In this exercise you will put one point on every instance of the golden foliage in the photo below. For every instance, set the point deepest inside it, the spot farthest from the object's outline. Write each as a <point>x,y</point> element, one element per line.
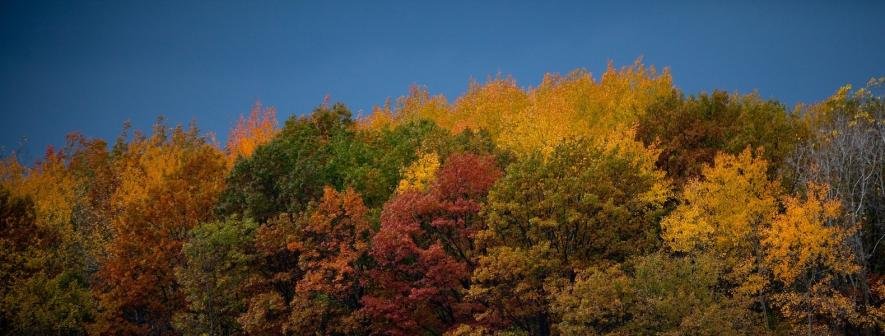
<point>724,210</point>
<point>525,120</point>
<point>804,237</point>
<point>249,133</point>
<point>419,174</point>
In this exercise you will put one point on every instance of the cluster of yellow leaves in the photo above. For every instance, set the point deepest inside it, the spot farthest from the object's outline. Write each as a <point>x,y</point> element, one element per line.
<point>418,104</point>
<point>525,120</point>
<point>419,174</point>
<point>249,133</point>
<point>488,106</point>
<point>151,166</point>
<point>724,210</point>
<point>763,236</point>
<point>575,105</point>
<point>49,184</point>
<point>803,237</point>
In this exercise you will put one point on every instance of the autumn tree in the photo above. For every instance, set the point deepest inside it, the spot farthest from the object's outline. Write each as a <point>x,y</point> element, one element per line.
<point>270,288</point>
<point>653,294</point>
<point>252,131</point>
<point>425,250</point>
<point>49,281</point>
<point>577,105</point>
<point>724,214</point>
<point>847,153</point>
<point>792,260</point>
<point>332,243</point>
<point>691,130</point>
<point>416,106</point>
<point>807,253</point>
<point>523,120</point>
<point>168,183</point>
<point>589,202</point>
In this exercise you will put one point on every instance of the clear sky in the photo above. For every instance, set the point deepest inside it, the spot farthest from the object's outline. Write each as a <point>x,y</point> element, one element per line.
<point>90,65</point>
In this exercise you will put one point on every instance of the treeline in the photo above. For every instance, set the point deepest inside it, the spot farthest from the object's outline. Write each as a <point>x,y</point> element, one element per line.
<point>582,206</point>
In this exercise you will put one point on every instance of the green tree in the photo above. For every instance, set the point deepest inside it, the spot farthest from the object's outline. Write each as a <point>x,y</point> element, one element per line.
<point>588,202</point>
<point>653,294</point>
<point>218,258</point>
<point>691,130</point>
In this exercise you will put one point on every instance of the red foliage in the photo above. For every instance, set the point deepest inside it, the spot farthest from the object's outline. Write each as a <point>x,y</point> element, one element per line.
<point>424,251</point>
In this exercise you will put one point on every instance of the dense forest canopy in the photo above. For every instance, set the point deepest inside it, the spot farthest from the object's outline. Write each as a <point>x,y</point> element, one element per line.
<point>613,205</point>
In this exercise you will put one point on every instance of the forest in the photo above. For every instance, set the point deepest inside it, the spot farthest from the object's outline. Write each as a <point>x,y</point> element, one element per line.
<point>609,205</point>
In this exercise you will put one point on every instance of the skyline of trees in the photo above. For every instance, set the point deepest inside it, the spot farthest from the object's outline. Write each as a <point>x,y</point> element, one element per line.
<point>617,205</point>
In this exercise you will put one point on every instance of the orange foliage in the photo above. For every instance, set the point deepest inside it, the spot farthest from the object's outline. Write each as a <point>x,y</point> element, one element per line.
<point>249,133</point>
<point>168,185</point>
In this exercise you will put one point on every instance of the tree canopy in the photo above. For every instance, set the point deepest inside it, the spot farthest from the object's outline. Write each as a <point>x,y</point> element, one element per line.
<point>616,205</point>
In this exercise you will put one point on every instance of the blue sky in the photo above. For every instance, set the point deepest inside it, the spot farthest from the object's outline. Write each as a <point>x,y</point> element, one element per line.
<point>90,65</point>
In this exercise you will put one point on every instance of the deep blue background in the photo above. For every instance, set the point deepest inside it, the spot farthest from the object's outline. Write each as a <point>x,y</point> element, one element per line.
<point>90,65</point>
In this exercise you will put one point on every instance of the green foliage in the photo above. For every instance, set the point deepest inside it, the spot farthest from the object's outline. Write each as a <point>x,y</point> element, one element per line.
<point>325,148</point>
<point>691,130</point>
<point>587,203</point>
<point>218,258</point>
<point>45,287</point>
<point>654,294</point>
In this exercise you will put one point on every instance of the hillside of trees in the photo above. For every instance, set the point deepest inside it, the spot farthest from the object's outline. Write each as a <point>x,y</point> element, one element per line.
<point>616,205</point>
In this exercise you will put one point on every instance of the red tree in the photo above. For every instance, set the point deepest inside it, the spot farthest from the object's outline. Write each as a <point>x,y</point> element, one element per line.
<point>424,251</point>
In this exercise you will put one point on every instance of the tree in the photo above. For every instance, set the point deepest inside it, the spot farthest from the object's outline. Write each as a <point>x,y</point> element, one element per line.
<point>168,183</point>
<point>424,251</point>
<point>654,294</point>
<point>792,258</point>
<point>691,130</point>
<point>847,153</point>
<point>289,172</point>
<point>418,105</point>
<point>806,252</point>
<point>724,214</point>
<point>576,105</point>
<point>218,258</point>
<point>589,202</point>
<point>48,276</point>
<point>332,243</point>
<point>249,133</point>
<point>525,120</point>
<point>270,288</point>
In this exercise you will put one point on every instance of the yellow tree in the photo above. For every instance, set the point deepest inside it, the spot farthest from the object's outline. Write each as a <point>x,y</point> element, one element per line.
<point>525,120</point>
<point>554,113</point>
<point>485,106</point>
<point>806,251</point>
<point>49,184</point>
<point>576,105</point>
<point>417,105</point>
<point>723,214</point>
<point>252,131</point>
